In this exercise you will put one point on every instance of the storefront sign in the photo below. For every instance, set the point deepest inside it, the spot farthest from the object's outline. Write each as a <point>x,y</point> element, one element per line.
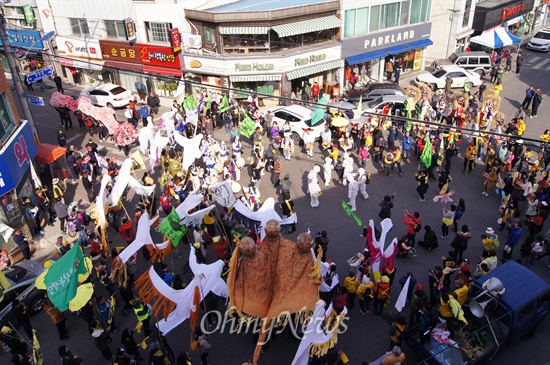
<point>385,39</point>
<point>493,13</point>
<point>311,59</point>
<point>46,16</point>
<point>130,29</point>
<point>29,14</point>
<point>254,67</point>
<point>78,48</point>
<point>28,39</point>
<point>508,12</point>
<point>16,157</point>
<point>144,54</point>
<point>175,40</point>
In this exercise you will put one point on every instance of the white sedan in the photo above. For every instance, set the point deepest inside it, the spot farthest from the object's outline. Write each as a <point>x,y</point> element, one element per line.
<point>111,95</point>
<point>459,76</point>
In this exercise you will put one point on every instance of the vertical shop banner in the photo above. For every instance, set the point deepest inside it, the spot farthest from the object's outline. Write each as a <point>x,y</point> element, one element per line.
<point>130,29</point>
<point>46,16</point>
<point>175,40</point>
<point>29,14</point>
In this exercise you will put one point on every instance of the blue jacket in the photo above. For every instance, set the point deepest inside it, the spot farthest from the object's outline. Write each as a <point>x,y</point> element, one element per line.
<point>529,93</point>
<point>513,237</point>
<point>407,142</point>
<point>144,112</point>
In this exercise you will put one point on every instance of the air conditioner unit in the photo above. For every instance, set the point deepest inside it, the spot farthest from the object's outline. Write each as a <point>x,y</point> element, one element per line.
<point>192,41</point>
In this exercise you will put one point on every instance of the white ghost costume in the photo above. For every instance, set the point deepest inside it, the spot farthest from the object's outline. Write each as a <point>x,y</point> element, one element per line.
<point>327,169</point>
<point>362,181</point>
<point>353,190</point>
<point>313,188</point>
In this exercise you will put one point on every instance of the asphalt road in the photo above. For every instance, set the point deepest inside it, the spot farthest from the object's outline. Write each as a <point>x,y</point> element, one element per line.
<point>366,337</point>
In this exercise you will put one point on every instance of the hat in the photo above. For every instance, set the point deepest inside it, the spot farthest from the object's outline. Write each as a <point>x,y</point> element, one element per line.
<point>490,231</point>
<point>519,141</point>
<point>385,279</point>
<point>97,333</point>
<point>419,287</point>
<point>55,181</point>
<point>365,280</point>
<point>5,330</point>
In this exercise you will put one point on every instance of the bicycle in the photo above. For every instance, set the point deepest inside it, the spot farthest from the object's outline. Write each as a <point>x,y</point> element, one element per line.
<point>70,228</point>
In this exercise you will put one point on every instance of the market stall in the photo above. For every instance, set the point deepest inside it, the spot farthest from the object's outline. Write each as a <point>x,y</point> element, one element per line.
<point>51,162</point>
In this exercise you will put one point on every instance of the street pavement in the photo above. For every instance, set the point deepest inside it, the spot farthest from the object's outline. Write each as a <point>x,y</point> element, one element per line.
<point>366,337</point>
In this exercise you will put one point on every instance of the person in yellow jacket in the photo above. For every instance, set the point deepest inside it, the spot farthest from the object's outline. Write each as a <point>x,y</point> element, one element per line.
<point>351,284</point>
<point>364,294</point>
<point>497,87</point>
<point>470,158</point>
<point>461,292</point>
<point>398,327</point>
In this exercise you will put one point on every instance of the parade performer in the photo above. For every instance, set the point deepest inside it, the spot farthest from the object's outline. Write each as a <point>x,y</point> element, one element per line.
<point>313,188</point>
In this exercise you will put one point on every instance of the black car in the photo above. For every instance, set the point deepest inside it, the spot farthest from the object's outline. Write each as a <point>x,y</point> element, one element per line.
<point>372,91</point>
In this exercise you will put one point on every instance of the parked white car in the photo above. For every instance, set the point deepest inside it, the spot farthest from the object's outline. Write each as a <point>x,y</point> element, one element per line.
<point>540,41</point>
<point>299,118</point>
<point>459,76</point>
<point>111,95</point>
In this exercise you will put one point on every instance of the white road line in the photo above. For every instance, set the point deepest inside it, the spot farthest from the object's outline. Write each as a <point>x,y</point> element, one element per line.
<point>74,137</point>
<point>535,59</point>
<point>540,64</point>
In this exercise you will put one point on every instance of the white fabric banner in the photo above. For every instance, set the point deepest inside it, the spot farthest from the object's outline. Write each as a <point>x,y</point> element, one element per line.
<point>101,200</point>
<point>402,299</point>
<point>143,237</point>
<point>195,219</point>
<point>189,203</point>
<point>102,162</point>
<point>191,150</point>
<point>157,144</point>
<point>264,214</point>
<point>139,188</point>
<point>121,182</point>
<point>145,136</point>
<point>35,178</point>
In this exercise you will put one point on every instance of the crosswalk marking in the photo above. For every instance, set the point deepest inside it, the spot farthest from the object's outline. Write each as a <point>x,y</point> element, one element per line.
<point>540,64</point>
<point>535,59</point>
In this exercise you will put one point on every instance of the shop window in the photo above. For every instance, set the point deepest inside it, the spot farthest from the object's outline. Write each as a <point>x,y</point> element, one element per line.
<point>426,10</point>
<point>6,118</point>
<point>79,26</point>
<point>404,13</point>
<point>158,32</point>
<point>390,16</point>
<point>349,23</point>
<point>374,23</point>
<point>253,43</point>
<point>208,35</point>
<point>115,29</point>
<point>467,9</point>
<point>356,22</point>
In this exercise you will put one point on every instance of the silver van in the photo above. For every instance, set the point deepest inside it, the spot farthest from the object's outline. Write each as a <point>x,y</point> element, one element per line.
<point>479,62</point>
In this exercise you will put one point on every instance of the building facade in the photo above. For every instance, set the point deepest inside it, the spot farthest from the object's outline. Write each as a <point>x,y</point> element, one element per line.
<point>378,31</point>
<point>516,15</point>
<point>268,48</point>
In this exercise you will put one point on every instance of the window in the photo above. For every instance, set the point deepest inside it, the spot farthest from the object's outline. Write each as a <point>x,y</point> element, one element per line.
<point>473,61</point>
<point>374,23</point>
<point>426,9</point>
<point>115,29</point>
<point>208,35</point>
<point>404,13</point>
<point>420,11</point>
<point>467,9</point>
<point>79,26</point>
<point>390,16</point>
<point>158,32</point>
<point>356,22</point>
<point>6,117</point>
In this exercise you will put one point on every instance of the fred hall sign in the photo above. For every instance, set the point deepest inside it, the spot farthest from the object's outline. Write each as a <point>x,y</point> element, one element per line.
<point>376,41</point>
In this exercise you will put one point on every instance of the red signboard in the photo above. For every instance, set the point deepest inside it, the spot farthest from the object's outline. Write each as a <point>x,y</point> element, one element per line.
<point>509,12</point>
<point>175,40</point>
<point>143,54</point>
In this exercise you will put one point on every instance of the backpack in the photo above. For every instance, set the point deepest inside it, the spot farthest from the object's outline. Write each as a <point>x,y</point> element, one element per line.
<point>496,243</point>
<point>195,346</point>
<point>417,228</point>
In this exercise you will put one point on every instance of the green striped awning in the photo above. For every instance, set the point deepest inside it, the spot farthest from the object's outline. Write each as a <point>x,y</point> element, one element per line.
<point>243,30</point>
<point>312,70</point>
<point>248,78</point>
<point>307,26</point>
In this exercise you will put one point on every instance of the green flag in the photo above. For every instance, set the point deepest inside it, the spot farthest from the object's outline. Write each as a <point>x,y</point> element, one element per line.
<point>426,156</point>
<point>248,127</point>
<point>190,103</point>
<point>172,229</point>
<point>62,278</point>
<point>224,105</point>
<point>319,111</point>
<point>351,213</point>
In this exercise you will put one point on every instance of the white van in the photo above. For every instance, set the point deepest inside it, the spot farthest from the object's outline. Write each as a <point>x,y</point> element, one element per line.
<point>479,62</point>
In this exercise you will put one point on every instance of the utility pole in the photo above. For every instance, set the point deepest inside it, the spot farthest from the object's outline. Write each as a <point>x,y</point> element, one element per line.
<point>10,57</point>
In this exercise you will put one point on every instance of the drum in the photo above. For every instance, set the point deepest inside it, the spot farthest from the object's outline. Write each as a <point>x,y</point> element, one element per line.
<point>309,146</point>
<point>240,162</point>
<point>218,168</point>
<point>235,187</point>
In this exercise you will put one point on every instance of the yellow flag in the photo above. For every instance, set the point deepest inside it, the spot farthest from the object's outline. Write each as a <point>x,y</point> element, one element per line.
<point>4,284</point>
<point>137,162</point>
<point>37,355</point>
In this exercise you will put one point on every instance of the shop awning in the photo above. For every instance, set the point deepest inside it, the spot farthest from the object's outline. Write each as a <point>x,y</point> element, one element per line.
<point>48,153</point>
<point>314,69</point>
<point>163,71</point>
<point>307,26</point>
<point>88,64</point>
<point>255,78</point>
<point>243,30</point>
<point>369,56</point>
<point>408,46</point>
<point>124,65</point>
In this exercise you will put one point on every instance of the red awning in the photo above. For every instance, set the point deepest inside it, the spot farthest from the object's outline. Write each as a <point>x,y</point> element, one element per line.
<point>124,65</point>
<point>48,153</point>
<point>163,71</point>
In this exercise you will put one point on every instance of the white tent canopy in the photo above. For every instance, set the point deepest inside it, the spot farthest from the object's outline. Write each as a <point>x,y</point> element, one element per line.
<point>496,38</point>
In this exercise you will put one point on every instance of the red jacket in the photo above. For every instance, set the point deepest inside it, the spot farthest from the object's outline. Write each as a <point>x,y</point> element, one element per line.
<point>315,90</point>
<point>127,231</point>
<point>411,221</point>
<point>219,249</point>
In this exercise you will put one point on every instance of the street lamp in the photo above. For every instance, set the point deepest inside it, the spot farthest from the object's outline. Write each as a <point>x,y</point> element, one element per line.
<point>10,57</point>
